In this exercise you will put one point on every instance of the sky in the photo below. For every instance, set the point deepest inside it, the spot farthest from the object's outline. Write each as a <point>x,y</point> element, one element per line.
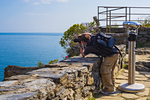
<point>53,16</point>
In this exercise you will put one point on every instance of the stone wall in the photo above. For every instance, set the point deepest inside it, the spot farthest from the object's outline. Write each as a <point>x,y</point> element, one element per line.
<point>143,38</point>
<point>69,79</point>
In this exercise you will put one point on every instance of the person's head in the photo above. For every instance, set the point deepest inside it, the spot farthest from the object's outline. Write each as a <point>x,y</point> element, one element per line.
<point>85,38</point>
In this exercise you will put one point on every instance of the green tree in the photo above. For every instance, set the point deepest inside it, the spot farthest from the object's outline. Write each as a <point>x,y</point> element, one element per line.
<point>71,34</point>
<point>72,49</point>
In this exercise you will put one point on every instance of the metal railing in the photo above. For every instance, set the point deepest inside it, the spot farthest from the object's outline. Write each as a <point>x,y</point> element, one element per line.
<point>121,14</point>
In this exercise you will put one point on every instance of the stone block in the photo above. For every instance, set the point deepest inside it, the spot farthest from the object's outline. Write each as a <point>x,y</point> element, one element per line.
<point>62,93</point>
<point>40,84</point>
<point>129,96</point>
<point>71,77</point>
<point>71,94</point>
<point>7,83</point>
<point>142,32</point>
<point>90,81</point>
<point>145,93</point>
<point>38,71</point>
<point>17,77</point>
<point>27,80</point>
<point>148,36</point>
<point>139,36</point>
<point>64,82</point>
<point>51,95</point>
<point>70,85</point>
<point>78,94</point>
<point>58,78</point>
<point>23,96</point>
<point>5,90</point>
<point>38,81</point>
<point>56,98</point>
<point>147,74</point>
<point>77,85</point>
<point>82,71</point>
<point>85,91</point>
<point>11,88</point>
<point>72,73</point>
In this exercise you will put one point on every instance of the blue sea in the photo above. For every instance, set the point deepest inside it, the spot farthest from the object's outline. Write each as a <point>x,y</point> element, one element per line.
<point>26,49</point>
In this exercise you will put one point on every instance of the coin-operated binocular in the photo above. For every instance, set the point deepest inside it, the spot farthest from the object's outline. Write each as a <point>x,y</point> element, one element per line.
<point>131,86</point>
<point>132,29</point>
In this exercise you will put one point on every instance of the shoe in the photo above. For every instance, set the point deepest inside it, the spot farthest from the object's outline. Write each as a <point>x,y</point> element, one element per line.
<point>106,92</point>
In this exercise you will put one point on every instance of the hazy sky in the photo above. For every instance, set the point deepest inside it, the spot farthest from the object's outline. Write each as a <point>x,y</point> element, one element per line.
<point>52,15</point>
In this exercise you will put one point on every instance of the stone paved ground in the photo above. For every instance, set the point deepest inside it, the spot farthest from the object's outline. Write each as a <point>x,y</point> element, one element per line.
<point>141,77</point>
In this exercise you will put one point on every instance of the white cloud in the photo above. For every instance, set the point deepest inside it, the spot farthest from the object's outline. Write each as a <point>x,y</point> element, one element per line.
<point>38,14</point>
<point>36,3</point>
<point>46,14</point>
<point>26,0</point>
<point>46,1</point>
<point>33,14</point>
<point>62,0</point>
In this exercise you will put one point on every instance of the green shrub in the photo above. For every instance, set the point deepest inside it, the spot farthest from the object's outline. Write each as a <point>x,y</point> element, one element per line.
<point>67,40</point>
<point>40,64</point>
<point>53,61</point>
<point>146,22</point>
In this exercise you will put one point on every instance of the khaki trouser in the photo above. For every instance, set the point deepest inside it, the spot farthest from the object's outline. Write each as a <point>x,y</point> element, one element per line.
<point>107,72</point>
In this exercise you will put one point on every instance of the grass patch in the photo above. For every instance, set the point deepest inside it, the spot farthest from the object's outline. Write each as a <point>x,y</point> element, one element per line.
<point>2,93</point>
<point>125,66</point>
<point>126,59</point>
<point>89,98</point>
<point>139,45</point>
<point>122,71</point>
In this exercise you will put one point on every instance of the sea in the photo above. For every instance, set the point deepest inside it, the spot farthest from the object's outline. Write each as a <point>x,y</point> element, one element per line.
<point>27,49</point>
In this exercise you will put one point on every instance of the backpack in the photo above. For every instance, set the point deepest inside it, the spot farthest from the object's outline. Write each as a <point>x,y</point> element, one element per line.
<point>103,43</point>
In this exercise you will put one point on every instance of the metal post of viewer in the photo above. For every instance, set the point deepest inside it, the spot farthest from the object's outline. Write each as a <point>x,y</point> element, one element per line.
<point>131,86</point>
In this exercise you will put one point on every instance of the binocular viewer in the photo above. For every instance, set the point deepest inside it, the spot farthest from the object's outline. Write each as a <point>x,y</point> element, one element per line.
<point>131,86</point>
<point>131,29</point>
<point>130,24</point>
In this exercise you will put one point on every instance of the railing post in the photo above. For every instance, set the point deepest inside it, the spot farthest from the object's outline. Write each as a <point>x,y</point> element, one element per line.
<point>106,19</point>
<point>129,13</point>
<point>126,14</point>
<point>109,21</point>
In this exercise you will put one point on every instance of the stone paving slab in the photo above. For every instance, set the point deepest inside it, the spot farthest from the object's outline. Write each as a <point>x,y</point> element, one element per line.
<point>141,77</point>
<point>147,74</point>
<point>145,93</point>
<point>129,96</point>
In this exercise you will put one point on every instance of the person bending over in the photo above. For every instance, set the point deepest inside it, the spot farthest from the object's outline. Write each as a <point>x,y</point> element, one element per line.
<point>107,65</point>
